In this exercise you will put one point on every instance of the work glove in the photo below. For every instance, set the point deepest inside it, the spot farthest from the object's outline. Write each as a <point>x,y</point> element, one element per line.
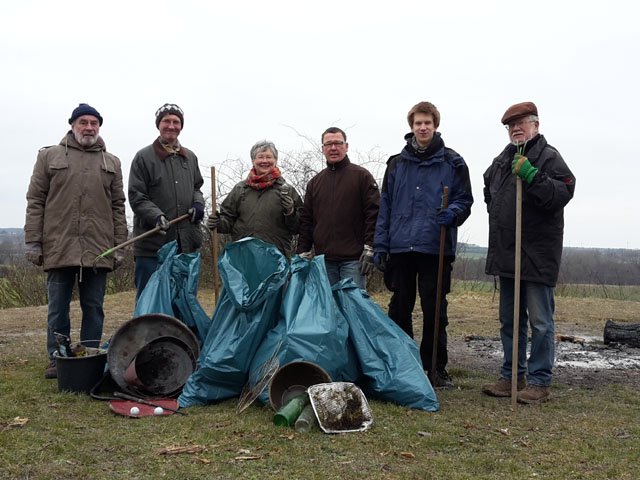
<point>366,264</point>
<point>381,259</point>
<point>307,255</point>
<point>213,221</point>
<point>33,253</point>
<point>119,257</point>
<point>446,217</point>
<point>163,223</point>
<point>286,201</point>
<point>522,167</point>
<point>196,211</point>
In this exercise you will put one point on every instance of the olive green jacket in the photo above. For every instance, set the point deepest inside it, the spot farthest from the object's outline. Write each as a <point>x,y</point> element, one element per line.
<point>247,212</point>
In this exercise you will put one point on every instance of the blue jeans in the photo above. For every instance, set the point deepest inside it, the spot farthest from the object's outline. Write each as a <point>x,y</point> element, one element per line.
<point>145,266</point>
<point>337,271</point>
<point>91,286</point>
<point>536,309</point>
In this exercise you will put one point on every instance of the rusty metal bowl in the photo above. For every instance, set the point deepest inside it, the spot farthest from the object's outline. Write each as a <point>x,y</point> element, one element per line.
<point>157,333</point>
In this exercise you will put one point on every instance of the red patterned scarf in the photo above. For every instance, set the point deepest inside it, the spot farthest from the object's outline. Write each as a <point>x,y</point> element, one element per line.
<point>260,182</point>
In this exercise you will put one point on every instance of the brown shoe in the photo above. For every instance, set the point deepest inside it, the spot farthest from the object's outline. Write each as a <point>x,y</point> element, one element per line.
<point>502,388</point>
<point>51,371</point>
<point>535,394</point>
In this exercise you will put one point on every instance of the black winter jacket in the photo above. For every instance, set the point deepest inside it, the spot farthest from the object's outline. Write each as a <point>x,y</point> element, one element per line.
<point>164,184</point>
<point>340,211</point>
<point>543,204</point>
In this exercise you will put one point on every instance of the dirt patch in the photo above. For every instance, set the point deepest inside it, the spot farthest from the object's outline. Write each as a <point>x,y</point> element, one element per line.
<point>588,365</point>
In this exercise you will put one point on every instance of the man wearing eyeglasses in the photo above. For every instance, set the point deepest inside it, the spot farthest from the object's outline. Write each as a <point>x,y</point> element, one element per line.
<point>339,215</point>
<point>164,184</point>
<point>75,211</point>
<point>547,186</point>
<point>409,230</point>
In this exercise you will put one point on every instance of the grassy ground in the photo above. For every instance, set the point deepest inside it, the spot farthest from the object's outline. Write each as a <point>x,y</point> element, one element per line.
<point>583,433</point>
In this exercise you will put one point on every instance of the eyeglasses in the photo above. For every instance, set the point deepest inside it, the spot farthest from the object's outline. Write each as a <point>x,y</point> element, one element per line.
<point>333,144</point>
<point>521,123</point>
<point>168,107</point>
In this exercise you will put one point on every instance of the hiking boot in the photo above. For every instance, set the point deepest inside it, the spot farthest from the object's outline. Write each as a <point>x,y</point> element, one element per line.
<point>535,394</point>
<point>51,371</point>
<point>502,388</point>
<point>442,379</point>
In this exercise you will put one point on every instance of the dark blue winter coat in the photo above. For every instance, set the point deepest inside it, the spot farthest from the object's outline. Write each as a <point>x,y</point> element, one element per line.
<point>412,194</point>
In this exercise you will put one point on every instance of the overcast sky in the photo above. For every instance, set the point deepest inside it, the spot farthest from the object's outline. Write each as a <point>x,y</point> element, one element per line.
<point>247,70</point>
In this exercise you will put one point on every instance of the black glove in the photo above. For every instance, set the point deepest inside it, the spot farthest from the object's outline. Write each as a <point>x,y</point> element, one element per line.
<point>196,211</point>
<point>213,221</point>
<point>163,223</point>
<point>286,201</point>
<point>366,264</point>
<point>33,253</point>
<point>381,259</point>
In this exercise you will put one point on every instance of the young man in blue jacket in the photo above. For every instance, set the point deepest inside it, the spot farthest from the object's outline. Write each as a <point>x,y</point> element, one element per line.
<point>408,230</point>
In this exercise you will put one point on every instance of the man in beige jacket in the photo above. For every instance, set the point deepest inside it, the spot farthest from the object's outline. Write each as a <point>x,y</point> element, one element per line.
<point>75,211</point>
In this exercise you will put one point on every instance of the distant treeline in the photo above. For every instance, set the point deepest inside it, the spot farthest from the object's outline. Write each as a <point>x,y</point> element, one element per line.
<point>590,266</point>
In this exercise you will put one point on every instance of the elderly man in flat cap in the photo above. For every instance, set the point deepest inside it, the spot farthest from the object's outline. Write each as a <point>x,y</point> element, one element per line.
<point>164,184</point>
<point>75,211</point>
<point>548,185</point>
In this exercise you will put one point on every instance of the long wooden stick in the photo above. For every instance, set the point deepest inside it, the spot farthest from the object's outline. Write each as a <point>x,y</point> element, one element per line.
<point>436,321</point>
<point>516,296</point>
<point>214,237</point>
<point>141,236</point>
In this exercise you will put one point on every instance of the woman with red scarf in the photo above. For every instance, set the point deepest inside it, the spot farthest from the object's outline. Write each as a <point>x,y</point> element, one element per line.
<point>263,206</point>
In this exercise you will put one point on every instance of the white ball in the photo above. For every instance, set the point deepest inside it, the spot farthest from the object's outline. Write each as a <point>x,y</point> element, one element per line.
<point>134,411</point>
<point>158,411</point>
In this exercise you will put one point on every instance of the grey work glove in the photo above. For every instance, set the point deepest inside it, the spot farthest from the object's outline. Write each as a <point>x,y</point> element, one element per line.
<point>163,223</point>
<point>213,221</point>
<point>33,253</point>
<point>119,257</point>
<point>366,265</point>
<point>286,201</point>
<point>307,255</point>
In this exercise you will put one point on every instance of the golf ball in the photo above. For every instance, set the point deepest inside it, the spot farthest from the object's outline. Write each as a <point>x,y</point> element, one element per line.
<point>134,411</point>
<point>158,411</point>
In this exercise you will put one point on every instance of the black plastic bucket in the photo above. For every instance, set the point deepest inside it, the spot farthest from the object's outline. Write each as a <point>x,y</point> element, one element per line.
<point>80,374</point>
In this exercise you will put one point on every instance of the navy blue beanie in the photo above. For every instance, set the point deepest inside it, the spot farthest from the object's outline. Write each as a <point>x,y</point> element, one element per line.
<point>84,109</point>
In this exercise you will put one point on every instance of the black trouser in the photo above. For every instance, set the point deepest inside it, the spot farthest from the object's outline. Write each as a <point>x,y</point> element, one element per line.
<point>403,269</point>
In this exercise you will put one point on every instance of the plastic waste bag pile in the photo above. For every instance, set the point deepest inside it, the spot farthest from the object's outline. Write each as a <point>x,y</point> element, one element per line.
<point>253,275</point>
<point>341,330</point>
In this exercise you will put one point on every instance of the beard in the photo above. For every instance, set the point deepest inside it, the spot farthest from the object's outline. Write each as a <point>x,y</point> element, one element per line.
<point>85,140</point>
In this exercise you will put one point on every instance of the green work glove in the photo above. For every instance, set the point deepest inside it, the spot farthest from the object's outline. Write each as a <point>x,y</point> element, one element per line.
<point>522,167</point>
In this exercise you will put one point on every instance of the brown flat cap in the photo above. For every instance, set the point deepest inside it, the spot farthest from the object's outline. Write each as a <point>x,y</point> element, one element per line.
<point>519,110</point>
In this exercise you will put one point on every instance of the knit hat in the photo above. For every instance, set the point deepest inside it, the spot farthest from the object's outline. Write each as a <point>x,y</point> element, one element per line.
<point>84,109</point>
<point>519,110</point>
<point>169,109</point>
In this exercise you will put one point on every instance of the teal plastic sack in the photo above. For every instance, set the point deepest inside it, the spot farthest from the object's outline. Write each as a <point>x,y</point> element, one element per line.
<point>173,289</point>
<point>253,275</point>
<point>310,328</point>
<point>389,358</point>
